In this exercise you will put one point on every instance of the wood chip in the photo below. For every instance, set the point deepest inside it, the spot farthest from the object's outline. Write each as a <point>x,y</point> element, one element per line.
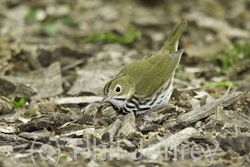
<point>208,109</point>
<point>172,141</point>
<point>40,136</point>
<point>7,129</point>
<point>112,130</point>
<point>128,145</point>
<point>128,125</point>
<point>77,100</point>
<point>232,118</point>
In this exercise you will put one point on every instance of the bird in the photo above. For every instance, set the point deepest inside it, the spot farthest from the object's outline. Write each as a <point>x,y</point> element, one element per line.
<point>147,84</point>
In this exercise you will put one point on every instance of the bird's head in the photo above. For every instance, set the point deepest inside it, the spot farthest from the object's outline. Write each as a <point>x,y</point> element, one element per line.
<point>118,90</point>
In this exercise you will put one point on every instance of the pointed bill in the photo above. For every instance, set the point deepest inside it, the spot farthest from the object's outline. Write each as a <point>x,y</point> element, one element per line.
<point>106,99</point>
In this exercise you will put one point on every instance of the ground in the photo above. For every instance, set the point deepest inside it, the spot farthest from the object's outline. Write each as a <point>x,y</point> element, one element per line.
<point>57,56</point>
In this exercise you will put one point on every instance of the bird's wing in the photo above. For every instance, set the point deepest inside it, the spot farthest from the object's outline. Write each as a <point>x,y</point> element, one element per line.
<point>155,71</point>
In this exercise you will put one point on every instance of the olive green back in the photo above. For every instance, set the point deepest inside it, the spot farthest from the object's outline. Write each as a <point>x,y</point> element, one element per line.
<point>152,72</point>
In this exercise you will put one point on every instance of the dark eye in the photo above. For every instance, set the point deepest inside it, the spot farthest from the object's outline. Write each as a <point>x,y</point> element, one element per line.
<point>118,89</point>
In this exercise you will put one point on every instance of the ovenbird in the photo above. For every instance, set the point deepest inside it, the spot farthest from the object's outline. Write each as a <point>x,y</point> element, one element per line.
<point>147,84</point>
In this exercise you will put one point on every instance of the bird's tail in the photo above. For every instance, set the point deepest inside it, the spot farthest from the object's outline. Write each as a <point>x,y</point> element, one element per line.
<point>172,42</point>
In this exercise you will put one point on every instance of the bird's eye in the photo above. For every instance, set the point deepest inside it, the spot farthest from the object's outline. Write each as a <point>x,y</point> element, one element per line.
<point>118,88</point>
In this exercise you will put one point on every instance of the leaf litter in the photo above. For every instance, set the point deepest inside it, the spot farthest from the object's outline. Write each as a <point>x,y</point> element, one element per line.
<point>55,59</point>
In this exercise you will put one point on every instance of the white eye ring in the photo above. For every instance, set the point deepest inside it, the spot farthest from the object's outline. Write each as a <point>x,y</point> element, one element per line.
<point>118,89</point>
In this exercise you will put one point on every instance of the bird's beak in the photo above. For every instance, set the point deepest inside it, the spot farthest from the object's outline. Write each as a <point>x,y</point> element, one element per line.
<point>106,98</point>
